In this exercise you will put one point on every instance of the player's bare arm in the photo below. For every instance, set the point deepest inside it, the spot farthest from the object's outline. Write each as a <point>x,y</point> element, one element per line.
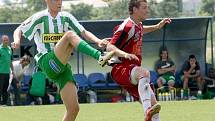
<point>151,28</point>
<point>17,38</point>
<point>91,37</point>
<point>121,53</point>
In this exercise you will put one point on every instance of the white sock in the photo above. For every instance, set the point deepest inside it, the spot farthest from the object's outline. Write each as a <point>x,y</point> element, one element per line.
<point>145,93</point>
<point>156,117</point>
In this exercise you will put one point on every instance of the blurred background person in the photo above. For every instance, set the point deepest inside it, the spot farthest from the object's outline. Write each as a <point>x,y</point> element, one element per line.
<point>6,57</point>
<point>165,68</point>
<point>191,72</point>
<point>19,67</point>
<point>210,78</point>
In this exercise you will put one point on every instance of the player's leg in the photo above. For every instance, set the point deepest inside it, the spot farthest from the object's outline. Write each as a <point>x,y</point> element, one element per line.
<point>155,108</point>
<point>159,82</point>
<point>185,79</point>
<point>70,99</point>
<point>62,75</point>
<point>170,80</point>
<point>185,85</point>
<point>69,41</point>
<point>200,83</point>
<point>142,77</point>
<point>68,91</point>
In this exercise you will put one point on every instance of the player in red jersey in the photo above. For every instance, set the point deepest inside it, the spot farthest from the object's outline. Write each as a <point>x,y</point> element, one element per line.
<point>128,72</point>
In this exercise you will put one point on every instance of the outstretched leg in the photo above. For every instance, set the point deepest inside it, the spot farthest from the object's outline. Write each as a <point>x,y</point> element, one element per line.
<point>148,100</point>
<point>69,41</point>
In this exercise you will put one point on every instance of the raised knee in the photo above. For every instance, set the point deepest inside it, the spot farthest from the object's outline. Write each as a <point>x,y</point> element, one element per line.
<point>70,35</point>
<point>144,73</point>
<point>138,73</point>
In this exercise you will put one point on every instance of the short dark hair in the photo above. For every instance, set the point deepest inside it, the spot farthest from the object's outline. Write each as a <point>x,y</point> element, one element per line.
<point>192,56</point>
<point>163,48</point>
<point>25,58</point>
<point>134,3</point>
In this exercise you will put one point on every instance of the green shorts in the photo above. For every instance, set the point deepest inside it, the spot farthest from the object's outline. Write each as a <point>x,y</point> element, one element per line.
<point>182,78</point>
<point>167,78</point>
<point>55,70</point>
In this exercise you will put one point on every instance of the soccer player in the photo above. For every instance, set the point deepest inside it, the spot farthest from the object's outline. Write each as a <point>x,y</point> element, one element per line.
<point>128,72</point>
<point>56,33</point>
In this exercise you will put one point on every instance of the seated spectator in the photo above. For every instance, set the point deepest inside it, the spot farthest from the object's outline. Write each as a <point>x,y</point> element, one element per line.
<point>165,68</point>
<point>191,72</point>
<point>210,79</point>
<point>19,67</point>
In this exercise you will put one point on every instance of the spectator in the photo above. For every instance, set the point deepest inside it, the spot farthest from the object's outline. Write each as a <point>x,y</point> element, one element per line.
<point>19,67</point>
<point>210,79</point>
<point>191,72</point>
<point>6,64</point>
<point>165,68</point>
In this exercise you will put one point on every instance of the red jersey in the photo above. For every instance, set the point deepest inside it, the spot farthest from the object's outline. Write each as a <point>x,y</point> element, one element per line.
<point>128,38</point>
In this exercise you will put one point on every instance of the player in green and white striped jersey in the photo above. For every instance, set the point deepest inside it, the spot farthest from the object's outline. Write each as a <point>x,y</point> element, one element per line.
<point>56,34</point>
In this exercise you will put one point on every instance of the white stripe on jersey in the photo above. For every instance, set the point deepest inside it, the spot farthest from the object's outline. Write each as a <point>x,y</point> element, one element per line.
<point>131,31</point>
<point>34,27</point>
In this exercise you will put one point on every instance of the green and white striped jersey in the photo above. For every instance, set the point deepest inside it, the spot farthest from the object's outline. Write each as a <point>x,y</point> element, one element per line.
<point>42,23</point>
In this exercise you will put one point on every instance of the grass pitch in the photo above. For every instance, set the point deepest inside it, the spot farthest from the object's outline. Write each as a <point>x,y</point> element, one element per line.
<point>171,111</point>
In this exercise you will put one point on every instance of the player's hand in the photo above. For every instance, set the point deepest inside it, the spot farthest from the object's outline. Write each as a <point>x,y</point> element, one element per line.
<point>15,45</point>
<point>193,65</point>
<point>131,57</point>
<point>164,22</point>
<point>103,43</point>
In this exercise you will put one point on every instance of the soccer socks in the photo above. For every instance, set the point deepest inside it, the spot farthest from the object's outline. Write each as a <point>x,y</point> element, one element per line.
<point>85,48</point>
<point>144,92</point>
<point>156,117</point>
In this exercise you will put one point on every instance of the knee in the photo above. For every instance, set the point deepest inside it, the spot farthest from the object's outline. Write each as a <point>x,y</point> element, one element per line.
<point>138,73</point>
<point>143,73</point>
<point>70,35</point>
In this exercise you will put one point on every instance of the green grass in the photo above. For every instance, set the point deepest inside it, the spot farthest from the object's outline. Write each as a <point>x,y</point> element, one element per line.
<point>171,111</point>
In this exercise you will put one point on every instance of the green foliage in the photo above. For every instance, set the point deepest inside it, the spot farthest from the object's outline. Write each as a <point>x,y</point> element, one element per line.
<point>116,10</point>
<point>9,14</point>
<point>36,5</point>
<point>82,11</point>
<point>208,8</point>
<point>166,8</point>
<point>13,13</point>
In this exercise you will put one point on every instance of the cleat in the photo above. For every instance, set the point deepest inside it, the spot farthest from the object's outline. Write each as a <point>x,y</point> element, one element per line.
<point>114,60</point>
<point>152,111</point>
<point>103,60</point>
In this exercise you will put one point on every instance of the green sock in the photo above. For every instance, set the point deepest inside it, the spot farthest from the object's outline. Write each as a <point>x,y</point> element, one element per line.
<point>186,92</point>
<point>85,48</point>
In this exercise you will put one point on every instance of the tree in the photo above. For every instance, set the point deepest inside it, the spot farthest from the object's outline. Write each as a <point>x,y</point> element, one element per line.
<point>36,5</point>
<point>116,10</point>
<point>208,8</point>
<point>168,8</point>
<point>153,8</point>
<point>82,11</point>
<point>15,13</point>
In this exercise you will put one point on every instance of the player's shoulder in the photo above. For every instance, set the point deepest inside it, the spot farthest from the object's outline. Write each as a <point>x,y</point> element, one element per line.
<point>65,14</point>
<point>127,24</point>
